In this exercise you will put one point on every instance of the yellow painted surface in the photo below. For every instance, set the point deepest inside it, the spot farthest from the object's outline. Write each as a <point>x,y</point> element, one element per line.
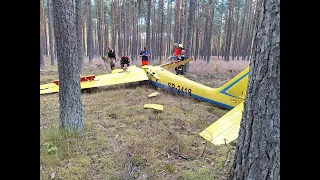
<point>172,65</point>
<point>49,88</point>
<point>154,94</point>
<point>225,129</point>
<point>154,106</point>
<point>133,74</point>
<point>229,95</point>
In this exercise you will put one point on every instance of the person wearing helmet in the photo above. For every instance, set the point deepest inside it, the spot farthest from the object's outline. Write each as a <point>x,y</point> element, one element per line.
<point>124,62</point>
<point>176,52</point>
<point>182,52</point>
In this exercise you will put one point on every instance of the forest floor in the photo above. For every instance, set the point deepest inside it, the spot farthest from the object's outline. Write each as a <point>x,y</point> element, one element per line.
<point>122,140</point>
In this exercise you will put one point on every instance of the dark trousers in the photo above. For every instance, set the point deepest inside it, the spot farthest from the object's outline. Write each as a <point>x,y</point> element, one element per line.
<point>179,69</point>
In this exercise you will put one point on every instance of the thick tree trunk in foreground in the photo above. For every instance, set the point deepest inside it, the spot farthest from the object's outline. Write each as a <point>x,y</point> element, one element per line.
<point>71,118</point>
<point>258,145</point>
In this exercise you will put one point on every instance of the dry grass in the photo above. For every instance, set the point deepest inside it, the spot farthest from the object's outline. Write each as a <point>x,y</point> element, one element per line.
<point>122,140</point>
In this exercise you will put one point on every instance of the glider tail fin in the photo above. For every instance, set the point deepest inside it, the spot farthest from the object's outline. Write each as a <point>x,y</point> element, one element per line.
<point>237,86</point>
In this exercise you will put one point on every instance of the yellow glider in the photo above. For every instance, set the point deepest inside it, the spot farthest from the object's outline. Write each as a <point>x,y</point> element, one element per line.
<point>230,95</point>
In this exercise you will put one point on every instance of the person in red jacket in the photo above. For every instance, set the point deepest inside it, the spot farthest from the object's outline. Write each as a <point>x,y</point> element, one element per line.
<point>182,53</point>
<point>176,52</point>
<point>124,62</point>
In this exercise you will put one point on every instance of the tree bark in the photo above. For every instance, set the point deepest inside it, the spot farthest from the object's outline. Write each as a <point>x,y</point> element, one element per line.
<point>79,31</point>
<point>42,66</point>
<point>113,34</point>
<point>123,21</point>
<point>71,117</point>
<point>177,23</point>
<point>170,27</point>
<point>52,56</point>
<point>208,42</point>
<point>161,28</point>
<point>44,29</point>
<point>234,49</point>
<point>229,31</point>
<point>89,32</point>
<point>189,31</point>
<point>241,32</point>
<point>119,28</point>
<point>258,145</point>
<point>134,36</point>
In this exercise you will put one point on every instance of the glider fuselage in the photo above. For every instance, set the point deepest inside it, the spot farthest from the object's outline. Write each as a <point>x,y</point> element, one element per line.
<point>222,96</point>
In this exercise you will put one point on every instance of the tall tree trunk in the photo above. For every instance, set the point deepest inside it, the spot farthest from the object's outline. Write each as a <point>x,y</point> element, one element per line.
<point>248,25</point>
<point>229,31</point>
<point>241,32</point>
<point>219,36</point>
<point>42,66</point>
<point>208,42</point>
<point>50,32</point>
<point>99,26</point>
<point>177,23</point>
<point>152,45</point>
<point>44,29</point>
<point>138,26</point>
<point>258,145</point>
<point>169,8</point>
<point>196,52</point>
<point>113,34</point>
<point>123,21</point>
<point>119,28</point>
<point>134,38</point>
<point>84,47</point>
<point>78,29</point>
<point>254,21</point>
<point>153,35</point>
<point>234,49</point>
<point>204,49</point>
<point>71,117</point>
<point>106,30</point>
<point>42,32</point>
<point>106,33</point>
<point>161,27</point>
<point>189,31</point>
<point>182,22</point>
<point>89,32</point>
<point>186,17</point>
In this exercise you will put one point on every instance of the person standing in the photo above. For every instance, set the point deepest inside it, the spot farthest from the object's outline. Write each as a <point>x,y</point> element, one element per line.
<point>182,53</point>
<point>144,54</point>
<point>176,52</point>
<point>112,58</point>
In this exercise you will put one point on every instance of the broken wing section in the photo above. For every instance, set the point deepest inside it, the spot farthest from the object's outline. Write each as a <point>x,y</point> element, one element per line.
<point>225,129</point>
<point>133,74</point>
<point>49,88</point>
<point>172,65</point>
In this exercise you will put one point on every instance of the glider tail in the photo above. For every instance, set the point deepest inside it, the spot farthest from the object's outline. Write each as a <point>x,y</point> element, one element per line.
<point>237,86</point>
